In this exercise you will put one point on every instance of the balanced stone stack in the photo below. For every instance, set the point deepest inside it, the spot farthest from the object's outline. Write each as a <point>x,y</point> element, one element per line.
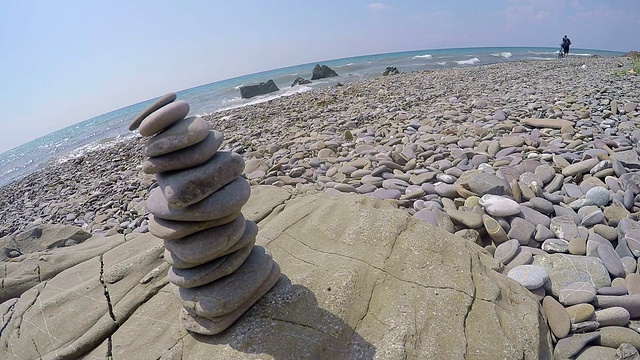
<point>196,209</point>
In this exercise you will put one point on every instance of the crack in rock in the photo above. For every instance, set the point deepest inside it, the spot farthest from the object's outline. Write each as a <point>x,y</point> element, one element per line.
<point>109,355</point>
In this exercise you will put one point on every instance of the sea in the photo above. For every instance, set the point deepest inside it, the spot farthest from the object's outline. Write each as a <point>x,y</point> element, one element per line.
<point>112,128</point>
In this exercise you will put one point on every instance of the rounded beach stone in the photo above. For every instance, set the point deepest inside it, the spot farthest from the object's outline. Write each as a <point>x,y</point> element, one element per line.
<point>576,293</point>
<point>215,325</point>
<point>596,353</point>
<point>163,118</point>
<point>629,302</point>
<point>570,346</point>
<point>580,312</point>
<point>162,101</point>
<point>598,196</point>
<point>557,317</point>
<point>614,336</point>
<point>466,218</point>
<point>613,316</point>
<point>189,186</point>
<point>222,203</point>
<point>494,229</point>
<point>580,167</point>
<point>209,271</point>
<point>185,158</point>
<point>566,269</point>
<point>633,283</point>
<point>170,229</point>
<point>222,297</point>
<point>180,135</point>
<point>208,244</point>
<point>578,246</point>
<point>564,227</point>
<point>521,230</point>
<point>500,206</point>
<point>248,237</point>
<point>611,260</point>
<point>506,251</point>
<point>529,276</point>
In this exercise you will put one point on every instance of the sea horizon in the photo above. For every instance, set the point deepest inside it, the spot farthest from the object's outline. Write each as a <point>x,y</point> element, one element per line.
<point>112,127</point>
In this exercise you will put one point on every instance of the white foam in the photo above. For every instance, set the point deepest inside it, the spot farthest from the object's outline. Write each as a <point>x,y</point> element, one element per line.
<point>442,63</point>
<point>468,62</point>
<point>95,146</point>
<point>504,54</point>
<point>425,56</point>
<point>574,54</point>
<point>240,102</point>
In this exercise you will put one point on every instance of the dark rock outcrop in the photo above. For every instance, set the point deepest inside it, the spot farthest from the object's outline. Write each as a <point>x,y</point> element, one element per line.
<point>322,71</point>
<point>391,70</point>
<point>250,91</point>
<point>300,81</point>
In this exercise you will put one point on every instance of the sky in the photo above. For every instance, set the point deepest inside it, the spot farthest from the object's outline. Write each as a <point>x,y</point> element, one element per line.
<point>65,61</point>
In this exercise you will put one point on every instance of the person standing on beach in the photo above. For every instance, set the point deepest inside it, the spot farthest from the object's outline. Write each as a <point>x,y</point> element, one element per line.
<point>565,46</point>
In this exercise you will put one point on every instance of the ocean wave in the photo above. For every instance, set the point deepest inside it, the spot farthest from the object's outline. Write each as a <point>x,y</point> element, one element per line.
<point>574,54</point>
<point>504,54</point>
<point>542,52</point>
<point>425,56</point>
<point>95,146</point>
<point>349,64</point>
<point>238,87</point>
<point>468,62</point>
<point>238,102</point>
<point>442,63</point>
<point>540,58</point>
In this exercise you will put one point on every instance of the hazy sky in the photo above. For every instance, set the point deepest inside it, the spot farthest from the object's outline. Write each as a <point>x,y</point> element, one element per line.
<point>62,62</point>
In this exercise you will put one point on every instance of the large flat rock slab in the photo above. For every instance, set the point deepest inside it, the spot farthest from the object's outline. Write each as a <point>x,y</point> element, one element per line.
<point>360,280</point>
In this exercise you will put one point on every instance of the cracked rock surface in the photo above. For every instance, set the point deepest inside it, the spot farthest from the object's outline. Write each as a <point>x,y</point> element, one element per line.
<point>360,280</point>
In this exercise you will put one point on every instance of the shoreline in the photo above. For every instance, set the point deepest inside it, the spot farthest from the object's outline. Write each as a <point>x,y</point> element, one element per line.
<point>280,139</point>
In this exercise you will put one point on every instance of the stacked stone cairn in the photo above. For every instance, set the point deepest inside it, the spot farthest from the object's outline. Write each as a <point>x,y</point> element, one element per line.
<point>217,270</point>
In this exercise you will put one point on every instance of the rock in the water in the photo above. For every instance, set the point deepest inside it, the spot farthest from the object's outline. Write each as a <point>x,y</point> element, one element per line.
<point>321,72</point>
<point>300,81</point>
<point>249,91</point>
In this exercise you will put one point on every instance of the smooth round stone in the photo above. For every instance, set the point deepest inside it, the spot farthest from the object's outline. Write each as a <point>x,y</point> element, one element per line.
<point>580,167</point>
<point>214,325</point>
<point>598,196</point>
<point>210,271</point>
<point>596,353</point>
<point>180,135</point>
<point>633,283</point>
<point>208,244</point>
<point>383,194</point>
<point>613,316</point>
<point>613,290</point>
<point>466,218</point>
<point>545,173</point>
<point>555,246</point>
<point>557,317</point>
<point>163,118</point>
<point>605,231</point>
<point>160,102</point>
<point>472,201</point>
<point>570,346</point>
<point>222,203</point>
<point>611,260</point>
<point>219,298</point>
<point>595,217</point>
<point>542,233</point>
<point>580,312</point>
<point>521,230</point>
<point>627,352</point>
<point>184,158</point>
<point>614,336</point>
<point>446,190</point>
<point>542,205</point>
<point>576,293</point>
<point>524,257</point>
<point>578,246</point>
<point>494,229</point>
<point>426,215</point>
<point>629,302</point>
<point>395,184</point>
<point>190,186</point>
<point>345,188</point>
<point>564,227</point>
<point>495,205</point>
<point>506,251</point>
<point>482,183</point>
<point>170,229</point>
<point>529,276</point>
<point>566,269</point>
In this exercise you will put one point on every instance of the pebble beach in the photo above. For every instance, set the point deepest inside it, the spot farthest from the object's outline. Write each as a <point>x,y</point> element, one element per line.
<point>536,161</point>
